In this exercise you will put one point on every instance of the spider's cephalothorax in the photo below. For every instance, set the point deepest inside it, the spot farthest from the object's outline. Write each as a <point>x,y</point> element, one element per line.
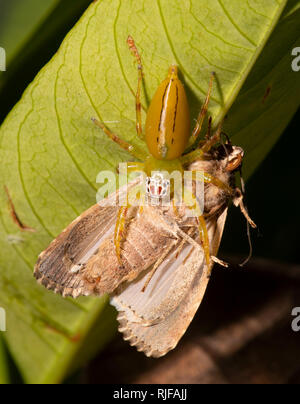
<point>167,136</point>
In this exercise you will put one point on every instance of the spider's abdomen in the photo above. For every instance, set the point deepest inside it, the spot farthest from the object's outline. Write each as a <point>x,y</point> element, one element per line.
<point>168,119</point>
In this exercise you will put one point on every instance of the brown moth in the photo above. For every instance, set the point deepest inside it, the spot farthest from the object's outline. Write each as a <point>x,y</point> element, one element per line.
<point>82,260</point>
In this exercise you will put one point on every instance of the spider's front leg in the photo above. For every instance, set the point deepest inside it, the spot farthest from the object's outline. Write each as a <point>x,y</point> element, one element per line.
<point>191,201</point>
<point>199,154</point>
<point>120,228</point>
<point>210,179</point>
<point>193,204</point>
<point>202,114</point>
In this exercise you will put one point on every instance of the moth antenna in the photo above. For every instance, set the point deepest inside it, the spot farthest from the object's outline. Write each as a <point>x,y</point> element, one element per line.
<point>244,210</point>
<point>219,262</point>
<point>242,264</point>
<point>181,246</point>
<point>222,143</point>
<point>227,138</point>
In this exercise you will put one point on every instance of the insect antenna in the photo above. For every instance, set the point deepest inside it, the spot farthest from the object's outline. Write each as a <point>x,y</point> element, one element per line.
<point>224,144</point>
<point>244,210</point>
<point>228,141</point>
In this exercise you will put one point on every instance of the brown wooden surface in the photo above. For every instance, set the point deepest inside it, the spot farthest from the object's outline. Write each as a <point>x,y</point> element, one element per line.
<point>241,334</point>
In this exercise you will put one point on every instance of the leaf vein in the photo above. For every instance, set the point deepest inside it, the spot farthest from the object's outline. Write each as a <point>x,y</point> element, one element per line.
<point>257,12</point>
<point>61,133</point>
<point>20,166</point>
<point>186,74</point>
<point>85,85</point>
<point>235,25</point>
<point>216,35</point>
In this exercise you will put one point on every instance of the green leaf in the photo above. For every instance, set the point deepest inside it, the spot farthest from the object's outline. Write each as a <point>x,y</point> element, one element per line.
<point>51,153</point>
<point>4,369</point>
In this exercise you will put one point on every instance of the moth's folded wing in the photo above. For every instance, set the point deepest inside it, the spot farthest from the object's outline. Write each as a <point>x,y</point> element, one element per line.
<point>155,321</point>
<point>59,267</point>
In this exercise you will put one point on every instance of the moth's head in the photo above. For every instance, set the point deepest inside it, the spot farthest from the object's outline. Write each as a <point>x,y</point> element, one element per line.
<point>230,156</point>
<point>234,159</point>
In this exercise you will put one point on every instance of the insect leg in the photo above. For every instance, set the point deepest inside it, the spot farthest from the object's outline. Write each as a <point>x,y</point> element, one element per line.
<point>133,150</point>
<point>204,239</point>
<point>175,209</point>
<point>215,138</point>
<point>238,201</point>
<point>156,266</point>
<point>134,166</point>
<point>120,227</point>
<point>204,147</point>
<point>138,167</point>
<point>184,240</point>
<point>210,179</point>
<point>138,107</point>
<point>203,112</point>
<point>191,200</point>
<point>119,230</point>
<point>191,157</point>
<point>187,238</point>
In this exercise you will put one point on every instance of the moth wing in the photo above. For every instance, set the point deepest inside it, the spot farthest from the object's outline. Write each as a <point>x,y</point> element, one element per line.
<point>154,321</point>
<point>59,266</point>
